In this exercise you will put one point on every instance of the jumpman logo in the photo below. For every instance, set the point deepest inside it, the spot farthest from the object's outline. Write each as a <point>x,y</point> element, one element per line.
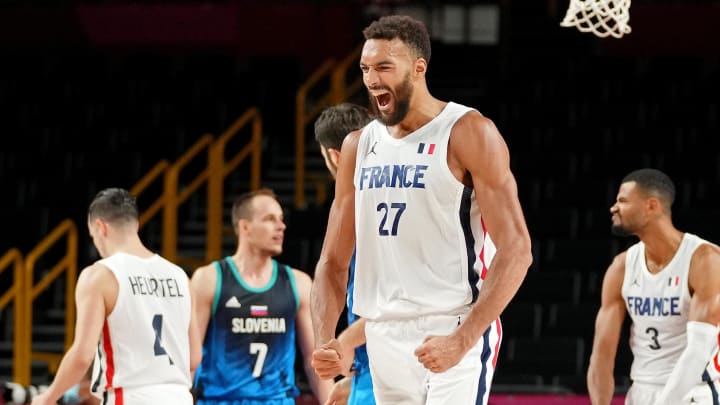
<point>635,282</point>
<point>372,149</point>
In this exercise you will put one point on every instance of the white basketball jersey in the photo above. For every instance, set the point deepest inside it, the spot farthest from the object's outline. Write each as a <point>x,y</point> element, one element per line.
<point>145,338</point>
<point>421,243</point>
<point>658,305</point>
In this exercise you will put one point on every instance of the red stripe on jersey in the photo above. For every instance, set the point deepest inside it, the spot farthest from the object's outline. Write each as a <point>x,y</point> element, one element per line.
<point>483,272</point>
<point>497,345</point>
<point>432,149</point>
<point>715,358</point>
<point>107,347</point>
<point>119,397</point>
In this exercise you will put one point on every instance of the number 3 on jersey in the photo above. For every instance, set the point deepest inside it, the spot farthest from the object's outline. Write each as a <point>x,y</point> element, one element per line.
<point>395,211</point>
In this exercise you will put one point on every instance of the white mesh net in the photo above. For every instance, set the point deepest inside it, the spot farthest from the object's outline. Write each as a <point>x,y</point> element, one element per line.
<point>601,17</point>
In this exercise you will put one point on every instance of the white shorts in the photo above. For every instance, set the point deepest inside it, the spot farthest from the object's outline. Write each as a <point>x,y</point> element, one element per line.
<point>400,379</point>
<point>148,395</point>
<point>702,394</point>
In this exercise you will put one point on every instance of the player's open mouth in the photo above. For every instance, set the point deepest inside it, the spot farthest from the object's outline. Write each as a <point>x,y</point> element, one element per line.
<point>383,101</point>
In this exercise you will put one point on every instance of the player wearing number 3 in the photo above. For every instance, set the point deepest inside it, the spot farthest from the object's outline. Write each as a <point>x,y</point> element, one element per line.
<point>669,283</point>
<point>133,316</point>
<point>248,308</point>
<point>420,190</point>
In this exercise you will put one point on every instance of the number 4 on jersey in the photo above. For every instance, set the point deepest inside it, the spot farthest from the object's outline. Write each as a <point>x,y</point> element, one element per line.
<point>157,326</point>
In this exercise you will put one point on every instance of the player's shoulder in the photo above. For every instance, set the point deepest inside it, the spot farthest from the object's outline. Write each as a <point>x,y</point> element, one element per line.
<point>352,139</point>
<point>96,272</point>
<point>706,253</point>
<point>474,130</point>
<point>620,258</point>
<point>205,272</point>
<point>471,118</point>
<point>300,276</point>
<point>96,277</point>
<point>617,265</point>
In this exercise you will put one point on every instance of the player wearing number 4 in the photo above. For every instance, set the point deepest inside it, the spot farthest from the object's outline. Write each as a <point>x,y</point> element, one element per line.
<point>669,283</point>
<point>249,309</point>
<point>133,316</point>
<point>420,190</point>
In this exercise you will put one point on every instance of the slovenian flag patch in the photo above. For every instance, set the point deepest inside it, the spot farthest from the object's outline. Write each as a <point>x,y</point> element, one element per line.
<point>258,310</point>
<point>426,148</point>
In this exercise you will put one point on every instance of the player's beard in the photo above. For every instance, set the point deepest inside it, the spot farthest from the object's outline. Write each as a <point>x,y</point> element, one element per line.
<point>619,230</point>
<point>402,104</point>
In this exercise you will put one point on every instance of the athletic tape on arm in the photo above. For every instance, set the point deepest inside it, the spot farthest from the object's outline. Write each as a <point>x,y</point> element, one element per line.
<point>702,339</point>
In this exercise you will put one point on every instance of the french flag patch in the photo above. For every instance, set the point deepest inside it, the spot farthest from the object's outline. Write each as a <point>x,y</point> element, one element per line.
<point>258,310</point>
<point>426,148</point>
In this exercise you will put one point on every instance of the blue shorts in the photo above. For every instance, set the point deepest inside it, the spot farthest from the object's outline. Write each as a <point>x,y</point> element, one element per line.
<point>361,392</point>
<point>282,401</point>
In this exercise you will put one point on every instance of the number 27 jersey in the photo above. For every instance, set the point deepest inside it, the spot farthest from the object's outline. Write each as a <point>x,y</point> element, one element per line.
<point>421,245</point>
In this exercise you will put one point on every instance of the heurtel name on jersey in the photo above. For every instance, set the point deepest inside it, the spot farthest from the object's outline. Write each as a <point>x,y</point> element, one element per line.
<point>159,287</point>
<point>393,176</point>
<point>258,322</point>
<point>653,306</point>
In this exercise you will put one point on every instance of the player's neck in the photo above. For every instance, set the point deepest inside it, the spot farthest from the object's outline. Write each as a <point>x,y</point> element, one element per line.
<point>130,245</point>
<point>661,246</point>
<point>422,110</point>
<point>252,263</point>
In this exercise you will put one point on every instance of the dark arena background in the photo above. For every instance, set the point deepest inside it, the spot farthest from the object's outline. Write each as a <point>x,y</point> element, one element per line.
<point>190,103</point>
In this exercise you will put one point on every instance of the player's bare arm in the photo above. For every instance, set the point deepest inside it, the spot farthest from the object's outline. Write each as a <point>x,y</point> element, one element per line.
<point>195,338</point>
<point>340,392</point>
<point>330,284</point>
<point>608,325</point>
<point>321,388</point>
<point>702,331</point>
<point>477,149</point>
<point>202,291</point>
<point>352,337</point>
<point>95,296</point>
<point>704,282</point>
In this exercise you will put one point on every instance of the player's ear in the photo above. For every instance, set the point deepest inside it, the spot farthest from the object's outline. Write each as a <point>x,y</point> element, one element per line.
<point>334,156</point>
<point>420,66</point>
<point>101,227</point>
<point>242,225</point>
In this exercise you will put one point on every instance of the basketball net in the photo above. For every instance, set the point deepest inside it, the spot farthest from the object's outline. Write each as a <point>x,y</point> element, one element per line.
<point>601,17</point>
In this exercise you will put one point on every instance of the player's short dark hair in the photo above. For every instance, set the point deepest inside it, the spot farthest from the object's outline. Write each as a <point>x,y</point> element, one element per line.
<point>655,183</point>
<point>242,206</point>
<point>335,122</point>
<point>409,30</point>
<point>113,205</point>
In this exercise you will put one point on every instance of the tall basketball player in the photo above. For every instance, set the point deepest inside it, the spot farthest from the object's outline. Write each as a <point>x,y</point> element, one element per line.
<point>669,283</point>
<point>133,317</point>
<point>420,190</point>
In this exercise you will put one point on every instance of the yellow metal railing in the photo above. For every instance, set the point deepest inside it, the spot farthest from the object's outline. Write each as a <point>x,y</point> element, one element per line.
<point>219,168</point>
<point>15,294</point>
<point>67,266</point>
<point>214,173</point>
<point>158,170</point>
<point>302,119</point>
<point>339,91</point>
